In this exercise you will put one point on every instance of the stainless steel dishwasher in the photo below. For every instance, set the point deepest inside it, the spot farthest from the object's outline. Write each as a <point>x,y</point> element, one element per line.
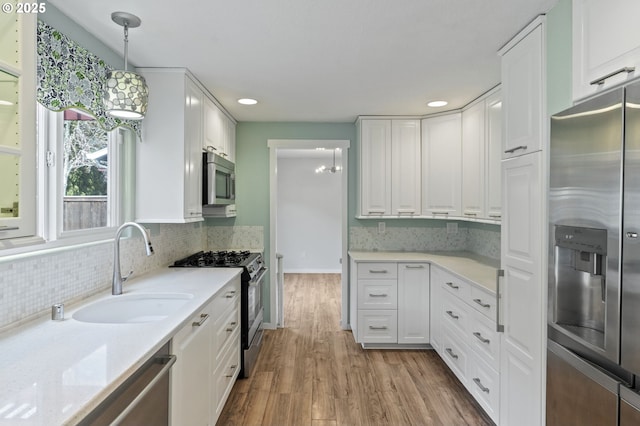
<point>143,399</point>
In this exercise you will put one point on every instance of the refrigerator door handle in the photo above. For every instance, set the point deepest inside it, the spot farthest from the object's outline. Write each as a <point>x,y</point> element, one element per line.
<point>499,274</point>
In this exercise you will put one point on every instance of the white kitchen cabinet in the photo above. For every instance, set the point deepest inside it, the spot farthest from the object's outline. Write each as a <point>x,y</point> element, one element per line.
<point>413,303</point>
<point>208,359</point>
<point>190,387</point>
<point>389,167</point>
<point>523,89</point>
<point>219,131</point>
<point>390,304</point>
<point>473,160</point>
<point>375,167</point>
<point>523,256</point>
<point>469,343</point>
<point>606,40</point>
<point>441,165</point>
<point>493,132</point>
<point>169,157</point>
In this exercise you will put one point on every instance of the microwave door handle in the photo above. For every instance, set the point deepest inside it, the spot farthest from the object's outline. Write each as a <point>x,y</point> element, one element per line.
<point>232,186</point>
<point>211,183</point>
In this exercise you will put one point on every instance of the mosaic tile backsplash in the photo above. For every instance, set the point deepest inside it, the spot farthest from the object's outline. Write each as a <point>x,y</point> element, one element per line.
<point>235,238</point>
<point>30,285</point>
<point>485,242</point>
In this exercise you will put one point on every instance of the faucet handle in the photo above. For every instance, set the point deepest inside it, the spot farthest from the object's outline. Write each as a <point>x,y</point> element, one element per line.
<point>127,276</point>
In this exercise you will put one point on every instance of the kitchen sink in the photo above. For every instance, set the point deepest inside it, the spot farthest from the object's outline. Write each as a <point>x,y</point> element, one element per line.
<point>132,308</point>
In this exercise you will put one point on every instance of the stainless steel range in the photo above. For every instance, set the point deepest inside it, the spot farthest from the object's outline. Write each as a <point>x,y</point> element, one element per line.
<point>251,307</point>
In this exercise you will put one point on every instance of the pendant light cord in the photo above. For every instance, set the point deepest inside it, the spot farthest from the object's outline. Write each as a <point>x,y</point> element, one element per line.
<point>126,44</point>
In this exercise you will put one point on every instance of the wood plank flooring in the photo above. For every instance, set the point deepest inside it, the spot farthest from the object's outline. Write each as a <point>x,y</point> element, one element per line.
<point>311,372</point>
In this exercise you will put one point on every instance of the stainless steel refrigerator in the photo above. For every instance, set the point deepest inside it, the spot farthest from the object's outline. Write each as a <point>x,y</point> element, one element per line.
<point>593,356</point>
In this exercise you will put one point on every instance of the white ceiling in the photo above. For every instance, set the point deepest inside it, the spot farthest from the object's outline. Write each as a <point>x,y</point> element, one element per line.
<point>320,60</point>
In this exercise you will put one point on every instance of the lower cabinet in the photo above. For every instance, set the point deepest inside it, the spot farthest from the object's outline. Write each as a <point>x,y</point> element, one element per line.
<point>208,360</point>
<point>467,340</point>
<point>392,302</point>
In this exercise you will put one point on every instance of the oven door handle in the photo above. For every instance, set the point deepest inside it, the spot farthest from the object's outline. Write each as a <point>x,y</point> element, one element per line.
<point>258,277</point>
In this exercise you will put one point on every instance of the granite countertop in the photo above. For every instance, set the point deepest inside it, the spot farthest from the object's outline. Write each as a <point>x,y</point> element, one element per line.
<point>56,372</point>
<point>466,265</point>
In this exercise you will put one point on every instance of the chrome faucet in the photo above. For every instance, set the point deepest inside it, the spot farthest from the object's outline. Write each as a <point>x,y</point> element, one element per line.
<point>118,279</point>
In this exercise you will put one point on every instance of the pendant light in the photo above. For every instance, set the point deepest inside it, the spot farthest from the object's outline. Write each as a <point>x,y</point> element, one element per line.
<point>126,95</point>
<point>332,169</point>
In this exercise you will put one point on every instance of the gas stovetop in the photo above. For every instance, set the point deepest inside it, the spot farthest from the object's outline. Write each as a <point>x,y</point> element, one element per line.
<point>251,263</point>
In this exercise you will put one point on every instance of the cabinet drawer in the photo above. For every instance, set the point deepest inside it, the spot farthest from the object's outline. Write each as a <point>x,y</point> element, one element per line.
<point>223,331</point>
<point>455,286</point>
<point>227,297</point>
<point>454,313</point>
<point>377,270</point>
<point>484,339</point>
<point>455,355</point>
<point>484,302</point>
<point>484,384</point>
<point>378,326</point>
<point>225,373</point>
<point>377,294</point>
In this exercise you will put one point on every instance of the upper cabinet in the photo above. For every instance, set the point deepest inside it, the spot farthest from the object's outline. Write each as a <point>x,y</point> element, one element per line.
<point>473,160</point>
<point>441,160</point>
<point>389,167</point>
<point>523,93</point>
<point>493,133</point>
<point>606,44</point>
<point>169,157</point>
<point>219,131</point>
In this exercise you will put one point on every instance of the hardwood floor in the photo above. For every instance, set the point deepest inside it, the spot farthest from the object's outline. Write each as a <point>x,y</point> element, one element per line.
<point>311,372</point>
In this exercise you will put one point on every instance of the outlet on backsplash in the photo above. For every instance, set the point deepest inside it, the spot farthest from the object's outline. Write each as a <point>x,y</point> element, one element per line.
<point>382,227</point>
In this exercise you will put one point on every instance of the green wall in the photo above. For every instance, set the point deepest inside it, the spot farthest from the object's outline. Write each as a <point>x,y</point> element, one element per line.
<point>559,68</point>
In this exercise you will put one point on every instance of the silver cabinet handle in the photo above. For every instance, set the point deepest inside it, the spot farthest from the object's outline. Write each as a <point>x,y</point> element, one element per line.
<point>414,266</point>
<point>382,327</point>
<point>495,216</point>
<point>378,271</point>
<point>602,79</point>
<point>499,274</point>
<point>9,228</point>
<point>232,326</point>
<point>450,284</point>
<point>440,213</point>
<point>482,339</point>
<point>452,315</point>
<point>232,368</point>
<point>479,384</point>
<point>517,148</point>
<point>203,319</point>
<point>479,302</point>
<point>168,361</point>
<point>230,294</point>
<point>632,235</point>
<point>470,214</point>
<point>378,295</point>
<point>451,354</point>
<point>380,212</point>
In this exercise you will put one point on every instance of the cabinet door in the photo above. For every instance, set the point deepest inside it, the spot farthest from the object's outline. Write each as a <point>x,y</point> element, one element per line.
<point>473,152</point>
<point>190,387</point>
<point>522,92</point>
<point>405,167</point>
<point>521,302</point>
<point>441,160</point>
<point>193,151</point>
<point>375,167</point>
<point>606,39</point>
<point>213,127</point>
<point>493,131</point>
<point>413,303</point>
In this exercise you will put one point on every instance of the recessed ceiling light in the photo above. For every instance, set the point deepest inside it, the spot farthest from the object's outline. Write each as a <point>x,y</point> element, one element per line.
<point>5,103</point>
<point>436,104</point>
<point>247,101</point>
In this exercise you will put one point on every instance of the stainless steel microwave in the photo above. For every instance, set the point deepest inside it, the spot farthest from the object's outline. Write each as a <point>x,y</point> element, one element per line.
<point>219,180</point>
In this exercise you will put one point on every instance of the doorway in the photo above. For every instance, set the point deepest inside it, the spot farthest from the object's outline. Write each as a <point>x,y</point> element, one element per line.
<point>306,148</point>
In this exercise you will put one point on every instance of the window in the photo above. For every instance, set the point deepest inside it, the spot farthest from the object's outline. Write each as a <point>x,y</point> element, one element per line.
<point>81,178</point>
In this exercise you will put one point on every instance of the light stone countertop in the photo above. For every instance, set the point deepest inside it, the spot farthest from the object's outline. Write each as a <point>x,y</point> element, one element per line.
<point>56,372</point>
<point>466,265</point>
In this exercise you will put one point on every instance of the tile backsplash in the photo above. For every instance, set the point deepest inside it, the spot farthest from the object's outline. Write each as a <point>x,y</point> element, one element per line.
<point>235,238</point>
<point>485,242</point>
<point>30,284</point>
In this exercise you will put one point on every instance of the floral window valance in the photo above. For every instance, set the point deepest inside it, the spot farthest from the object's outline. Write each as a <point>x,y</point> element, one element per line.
<point>69,76</point>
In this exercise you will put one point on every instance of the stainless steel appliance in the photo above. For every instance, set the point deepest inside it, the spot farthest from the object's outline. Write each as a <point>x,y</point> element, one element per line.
<point>251,306</point>
<point>594,260</point>
<point>218,180</point>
